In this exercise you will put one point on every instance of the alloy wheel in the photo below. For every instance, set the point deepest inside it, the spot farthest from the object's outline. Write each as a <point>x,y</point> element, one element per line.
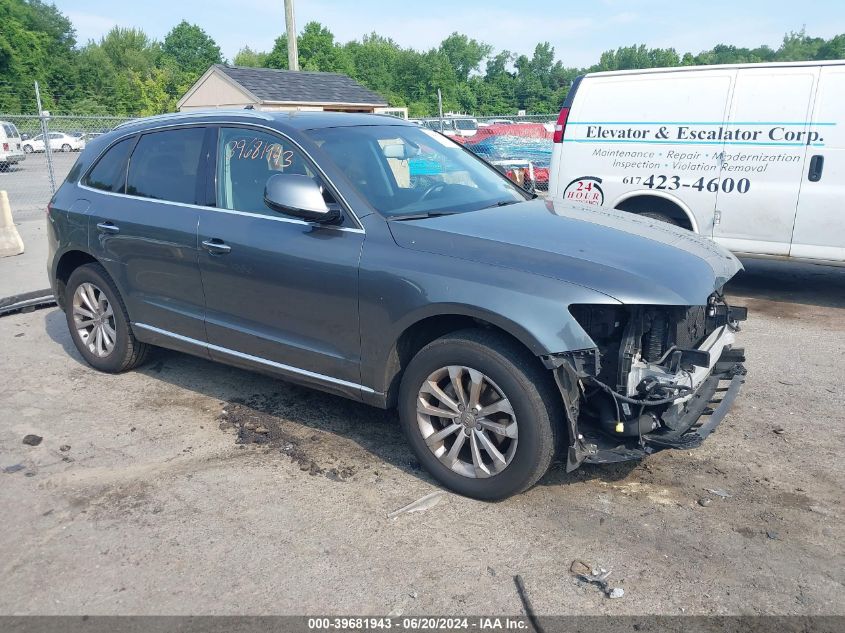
<point>467,421</point>
<point>93,318</point>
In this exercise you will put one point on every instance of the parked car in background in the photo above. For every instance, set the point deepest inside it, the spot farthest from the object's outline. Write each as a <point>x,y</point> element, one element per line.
<point>384,262</point>
<point>488,122</point>
<point>89,136</point>
<point>465,125</point>
<point>444,126</point>
<point>750,155</point>
<point>453,125</point>
<point>11,152</point>
<point>59,141</point>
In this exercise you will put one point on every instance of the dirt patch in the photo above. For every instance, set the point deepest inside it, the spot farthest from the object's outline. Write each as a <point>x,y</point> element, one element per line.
<point>114,501</point>
<point>259,420</point>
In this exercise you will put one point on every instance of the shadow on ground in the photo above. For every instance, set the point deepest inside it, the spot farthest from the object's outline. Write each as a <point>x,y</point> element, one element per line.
<point>789,282</point>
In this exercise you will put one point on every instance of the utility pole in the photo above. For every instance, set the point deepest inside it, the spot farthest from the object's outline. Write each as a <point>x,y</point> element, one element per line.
<point>293,53</point>
<point>440,108</point>
<point>48,151</point>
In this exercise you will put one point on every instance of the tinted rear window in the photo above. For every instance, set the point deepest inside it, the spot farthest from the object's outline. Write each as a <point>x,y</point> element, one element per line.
<point>109,174</point>
<point>10,130</point>
<point>165,165</point>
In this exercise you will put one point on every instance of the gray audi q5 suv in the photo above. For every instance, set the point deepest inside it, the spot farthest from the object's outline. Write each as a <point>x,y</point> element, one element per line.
<point>375,259</point>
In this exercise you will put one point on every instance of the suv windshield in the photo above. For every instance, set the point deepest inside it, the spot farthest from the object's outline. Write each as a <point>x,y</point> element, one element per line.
<point>465,124</point>
<point>411,171</point>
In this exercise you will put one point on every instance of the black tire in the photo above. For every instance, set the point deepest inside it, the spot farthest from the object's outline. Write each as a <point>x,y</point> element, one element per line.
<point>27,149</point>
<point>530,389</point>
<point>66,148</point>
<point>656,215</point>
<point>5,167</point>
<point>128,352</point>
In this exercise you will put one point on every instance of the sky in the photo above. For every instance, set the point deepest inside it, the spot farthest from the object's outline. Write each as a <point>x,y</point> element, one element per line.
<point>579,30</point>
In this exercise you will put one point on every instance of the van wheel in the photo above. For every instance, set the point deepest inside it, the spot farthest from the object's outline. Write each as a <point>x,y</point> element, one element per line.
<point>4,167</point>
<point>480,414</point>
<point>98,321</point>
<point>656,215</point>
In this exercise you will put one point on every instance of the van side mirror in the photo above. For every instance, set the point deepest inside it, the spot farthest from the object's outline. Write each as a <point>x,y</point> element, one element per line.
<point>299,196</point>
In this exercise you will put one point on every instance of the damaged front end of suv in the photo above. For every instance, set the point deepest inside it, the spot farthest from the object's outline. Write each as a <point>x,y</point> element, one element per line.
<point>658,377</point>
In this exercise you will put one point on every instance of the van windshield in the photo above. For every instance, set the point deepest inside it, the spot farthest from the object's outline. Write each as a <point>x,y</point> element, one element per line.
<point>410,171</point>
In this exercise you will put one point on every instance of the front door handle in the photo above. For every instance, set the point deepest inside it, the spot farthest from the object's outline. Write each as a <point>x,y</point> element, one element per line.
<point>816,168</point>
<point>108,227</point>
<point>216,247</point>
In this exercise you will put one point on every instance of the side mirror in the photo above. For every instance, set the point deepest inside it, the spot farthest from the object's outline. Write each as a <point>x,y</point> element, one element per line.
<point>299,196</point>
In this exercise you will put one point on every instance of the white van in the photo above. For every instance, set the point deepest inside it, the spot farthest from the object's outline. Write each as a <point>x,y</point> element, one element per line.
<point>10,145</point>
<point>752,155</point>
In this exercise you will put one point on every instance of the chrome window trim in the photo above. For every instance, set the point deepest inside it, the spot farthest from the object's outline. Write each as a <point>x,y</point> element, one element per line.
<point>255,359</point>
<point>157,128</point>
<point>262,216</point>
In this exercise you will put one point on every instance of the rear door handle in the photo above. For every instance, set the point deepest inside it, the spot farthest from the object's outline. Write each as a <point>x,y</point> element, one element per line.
<point>216,247</point>
<point>108,227</point>
<point>816,168</point>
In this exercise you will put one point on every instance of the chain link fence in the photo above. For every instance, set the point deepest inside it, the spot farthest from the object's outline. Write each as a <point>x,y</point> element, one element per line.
<point>32,166</point>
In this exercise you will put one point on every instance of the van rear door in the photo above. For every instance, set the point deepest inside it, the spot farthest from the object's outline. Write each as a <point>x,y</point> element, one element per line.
<point>763,164</point>
<point>820,222</point>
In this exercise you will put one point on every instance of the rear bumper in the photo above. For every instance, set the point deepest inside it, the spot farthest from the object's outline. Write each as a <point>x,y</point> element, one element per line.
<point>702,413</point>
<point>12,158</point>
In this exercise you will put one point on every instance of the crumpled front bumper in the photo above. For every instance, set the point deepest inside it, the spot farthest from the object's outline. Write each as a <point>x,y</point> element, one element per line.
<point>701,415</point>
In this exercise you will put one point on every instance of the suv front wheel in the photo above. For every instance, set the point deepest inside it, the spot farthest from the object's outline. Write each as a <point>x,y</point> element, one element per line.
<point>480,414</point>
<point>98,321</point>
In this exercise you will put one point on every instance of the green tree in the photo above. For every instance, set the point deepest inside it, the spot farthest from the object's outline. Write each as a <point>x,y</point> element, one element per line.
<point>373,60</point>
<point>248,57</point>
<point>37,43</point>
<point>464,54</point>
<point>317,51</point>
<point>191,48</point>
<point>118,70</point>
<point>278,55</point>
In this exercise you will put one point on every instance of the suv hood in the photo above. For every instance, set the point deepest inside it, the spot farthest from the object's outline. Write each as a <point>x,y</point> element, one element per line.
<point>635,260</point>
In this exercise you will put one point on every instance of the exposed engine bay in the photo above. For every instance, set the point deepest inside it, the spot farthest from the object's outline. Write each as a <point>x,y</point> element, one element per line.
<point>652,378</point>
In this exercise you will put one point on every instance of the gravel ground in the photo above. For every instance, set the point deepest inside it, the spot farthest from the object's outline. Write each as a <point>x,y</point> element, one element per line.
<point>145,497</point>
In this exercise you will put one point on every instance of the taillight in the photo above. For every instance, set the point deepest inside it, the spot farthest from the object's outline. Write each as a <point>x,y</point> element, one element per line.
<point>560,126</point>
<point>5,147</point>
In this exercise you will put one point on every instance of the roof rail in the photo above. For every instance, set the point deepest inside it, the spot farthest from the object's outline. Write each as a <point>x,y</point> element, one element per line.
<point>197,113</point>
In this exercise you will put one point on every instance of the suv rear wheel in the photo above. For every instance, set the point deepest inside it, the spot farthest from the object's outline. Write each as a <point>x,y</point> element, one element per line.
<point>480,414</point>
<point>98,321</point>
